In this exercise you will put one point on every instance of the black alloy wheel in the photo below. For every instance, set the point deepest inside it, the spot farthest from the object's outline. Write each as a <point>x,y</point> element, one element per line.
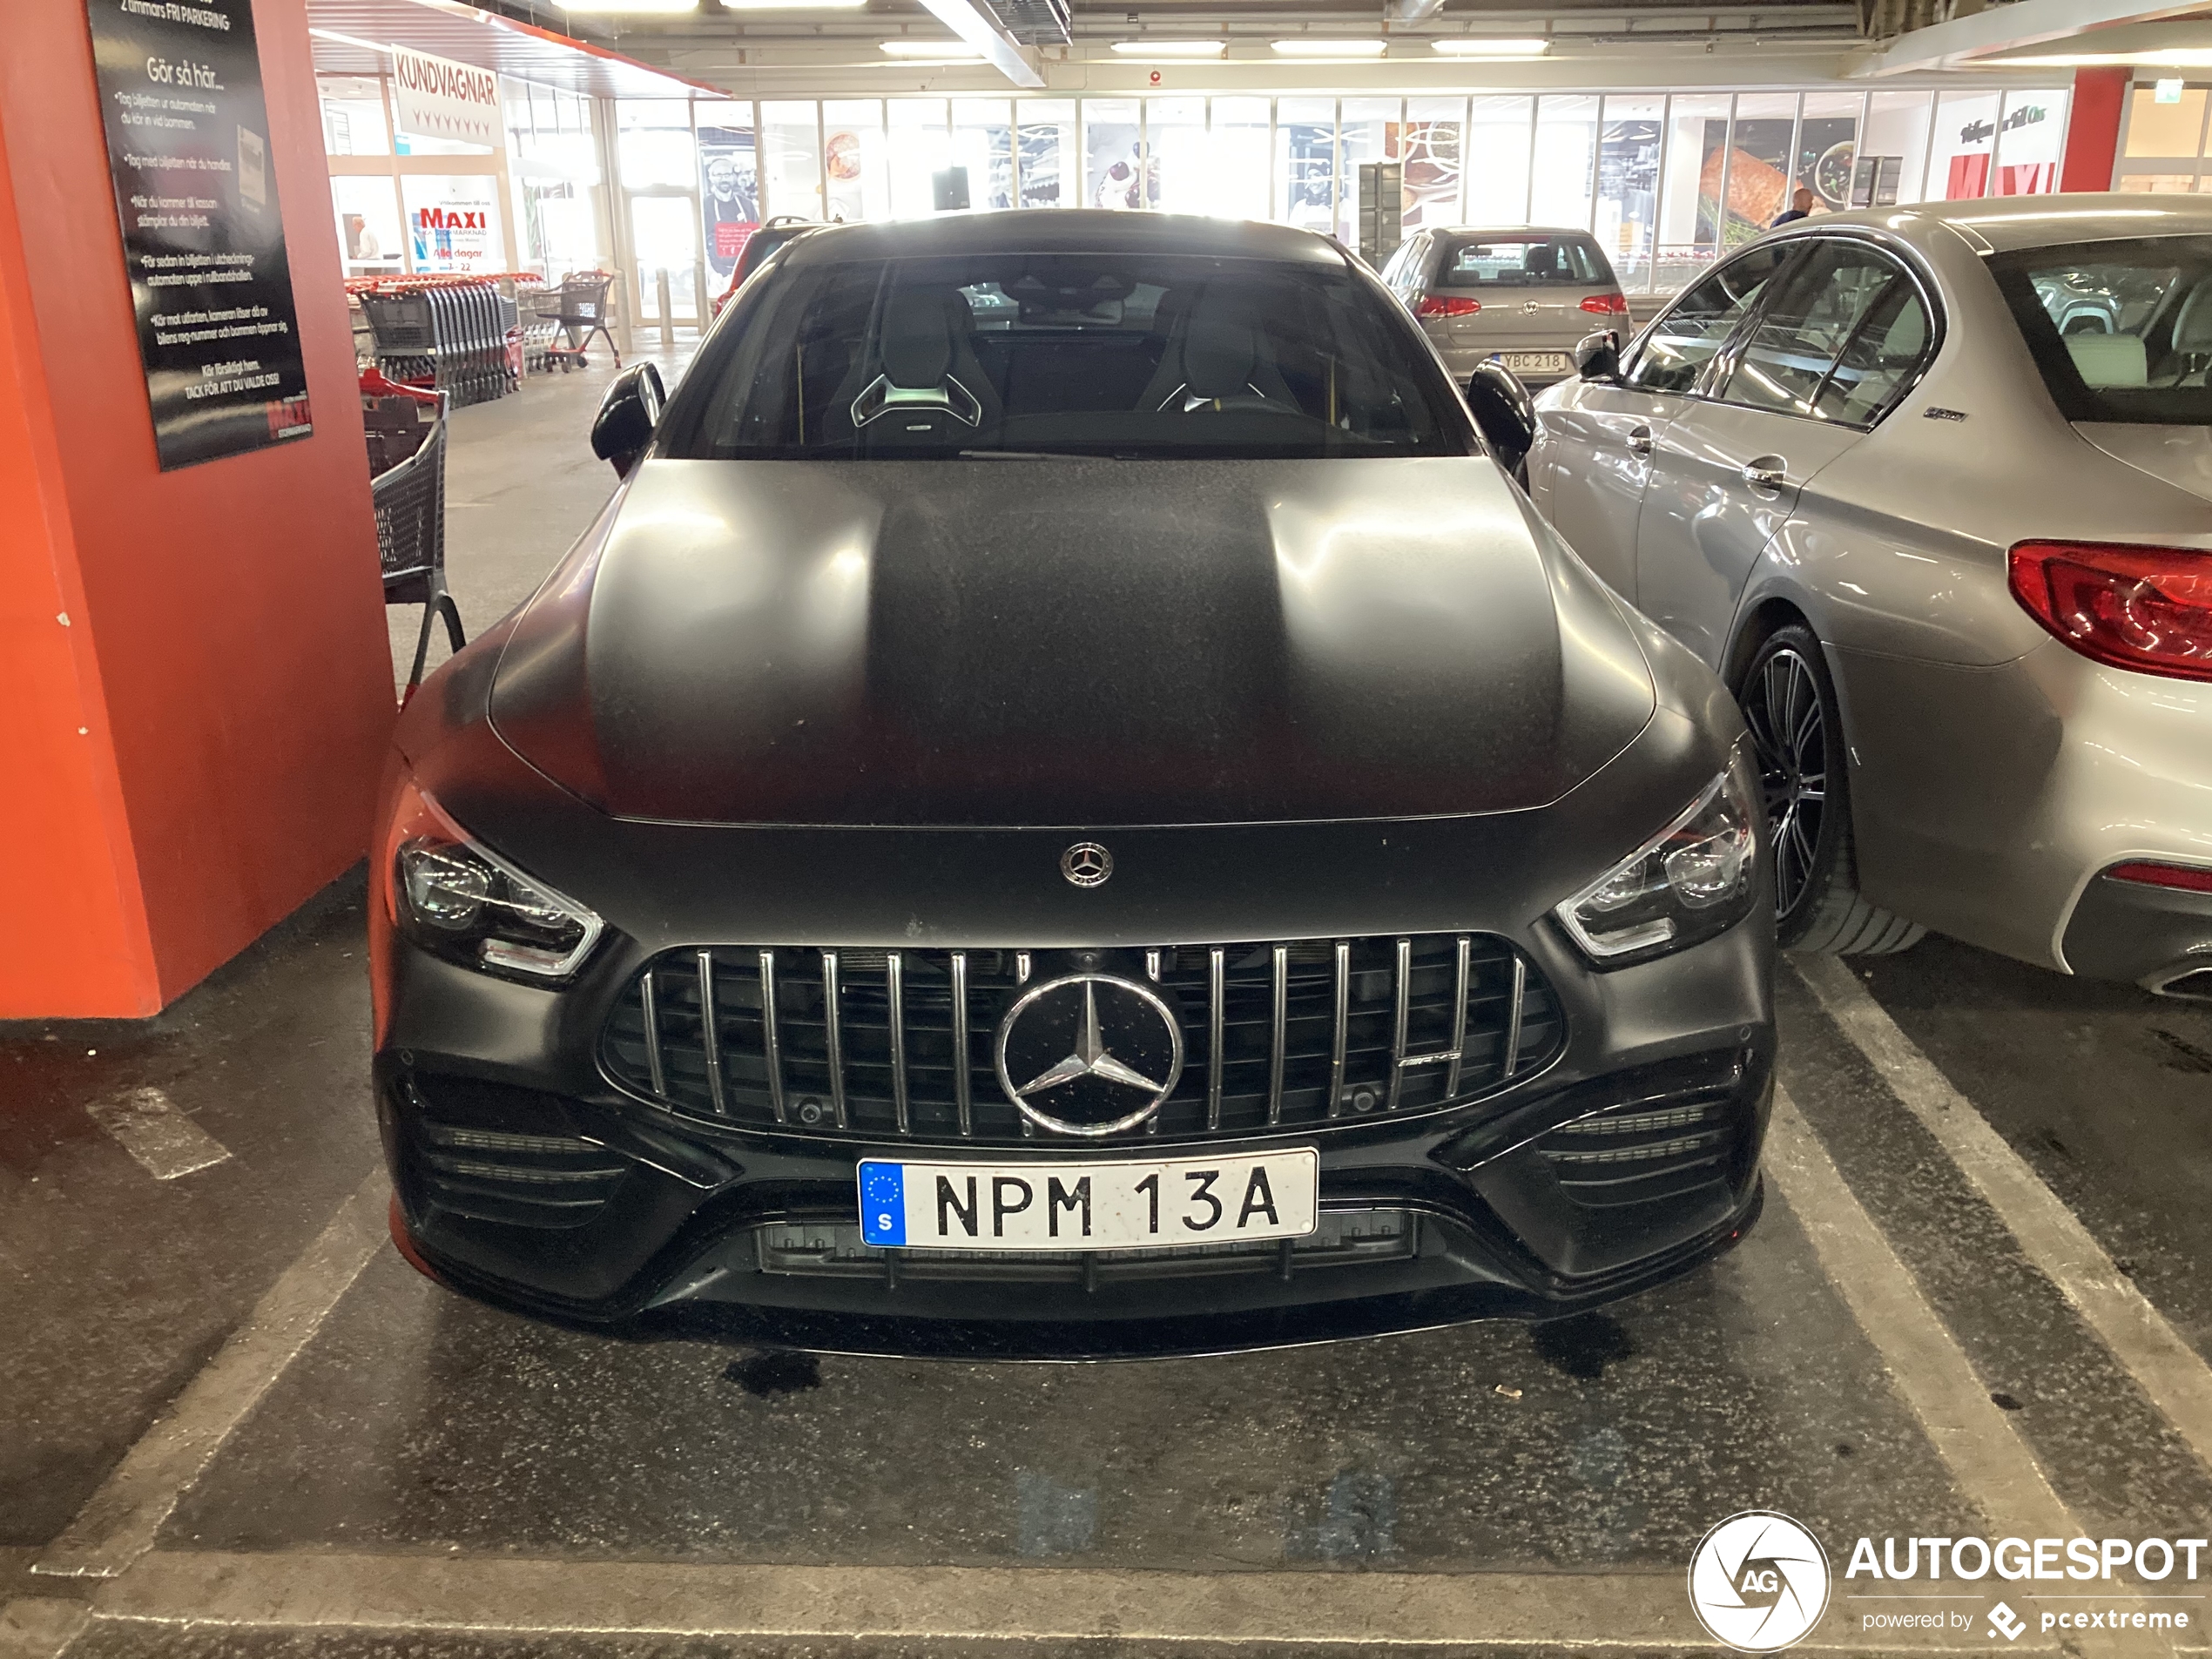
<point>1788,702</point>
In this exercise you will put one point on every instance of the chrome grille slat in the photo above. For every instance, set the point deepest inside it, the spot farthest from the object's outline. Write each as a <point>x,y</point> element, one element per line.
<point>1279,1034</point>
<point>834,1050</point>
<point>711,1035</point>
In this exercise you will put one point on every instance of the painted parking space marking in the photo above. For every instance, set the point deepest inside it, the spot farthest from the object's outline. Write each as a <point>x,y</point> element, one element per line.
<point>1532,1612</point>
<point>1928,1369</point>
<point>2171,1373</point>
<point>118,1521</point>
<point>156,1131</point>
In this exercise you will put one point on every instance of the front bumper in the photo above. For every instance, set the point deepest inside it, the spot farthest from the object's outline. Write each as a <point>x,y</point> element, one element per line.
<point>524,1177</point>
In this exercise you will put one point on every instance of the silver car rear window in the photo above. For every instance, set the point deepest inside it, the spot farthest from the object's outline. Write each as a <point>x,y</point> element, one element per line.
<point>1523,262</point>
<point>2122,330</point>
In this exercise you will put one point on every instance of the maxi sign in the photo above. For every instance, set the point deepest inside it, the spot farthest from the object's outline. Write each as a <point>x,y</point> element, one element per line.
<point>439,98</point>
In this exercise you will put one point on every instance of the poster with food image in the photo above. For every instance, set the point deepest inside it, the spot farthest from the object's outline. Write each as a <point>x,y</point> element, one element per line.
<point>1431,182</point>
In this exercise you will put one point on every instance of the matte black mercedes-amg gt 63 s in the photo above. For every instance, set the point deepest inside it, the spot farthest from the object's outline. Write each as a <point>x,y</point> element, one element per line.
<point>1067,807</point>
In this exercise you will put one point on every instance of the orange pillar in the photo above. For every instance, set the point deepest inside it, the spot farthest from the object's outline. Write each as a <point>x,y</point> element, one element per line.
<point>195,682</point>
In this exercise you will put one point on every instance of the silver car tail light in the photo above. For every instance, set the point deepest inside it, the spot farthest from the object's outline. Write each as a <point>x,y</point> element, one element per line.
<point>2145,608</point>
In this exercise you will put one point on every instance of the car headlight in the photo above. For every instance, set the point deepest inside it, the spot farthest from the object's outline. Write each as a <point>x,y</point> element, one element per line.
<point>1695,878</point>
<point>462,902</point>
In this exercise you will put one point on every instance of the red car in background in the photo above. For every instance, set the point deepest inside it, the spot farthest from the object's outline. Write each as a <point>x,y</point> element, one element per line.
<point>758,246</point>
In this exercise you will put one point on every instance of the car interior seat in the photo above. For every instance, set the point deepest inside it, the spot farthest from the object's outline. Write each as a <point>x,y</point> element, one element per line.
<point>2191,354</point>
<point>923,383</point>
<point>1219,359</point>
<point>2108,360</point>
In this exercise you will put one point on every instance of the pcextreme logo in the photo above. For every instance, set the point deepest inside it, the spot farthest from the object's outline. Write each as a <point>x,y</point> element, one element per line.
<point>1758,1581</point>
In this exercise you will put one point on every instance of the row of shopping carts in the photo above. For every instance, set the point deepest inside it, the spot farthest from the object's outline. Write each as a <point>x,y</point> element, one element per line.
<point>470,339</point>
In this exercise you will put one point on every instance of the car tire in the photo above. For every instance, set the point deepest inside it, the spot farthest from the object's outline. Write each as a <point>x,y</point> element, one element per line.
<point>1789,702</point>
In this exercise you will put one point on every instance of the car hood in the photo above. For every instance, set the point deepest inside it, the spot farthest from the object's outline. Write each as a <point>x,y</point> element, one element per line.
<point>1068,643</point>
<point>2178,454</point>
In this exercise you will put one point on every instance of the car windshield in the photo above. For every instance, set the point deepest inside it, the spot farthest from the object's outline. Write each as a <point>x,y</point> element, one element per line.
<point>2122,330</point>
<point>1131,354</point>
<point>1523,261</point>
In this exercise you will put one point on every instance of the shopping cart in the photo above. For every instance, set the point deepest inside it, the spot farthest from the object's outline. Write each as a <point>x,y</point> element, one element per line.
<point>578,307</point>
<point>410,496</point>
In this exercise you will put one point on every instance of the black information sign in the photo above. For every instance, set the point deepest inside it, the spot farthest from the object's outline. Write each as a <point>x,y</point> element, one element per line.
<point>188,145</point>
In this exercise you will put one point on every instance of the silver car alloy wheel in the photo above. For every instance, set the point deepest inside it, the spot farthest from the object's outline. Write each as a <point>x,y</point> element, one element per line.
<point>1790,733</point>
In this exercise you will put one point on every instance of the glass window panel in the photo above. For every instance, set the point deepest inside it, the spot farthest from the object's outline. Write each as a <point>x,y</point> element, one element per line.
<point>1175,133</point>
<point>1435,130</point>
<point>560,231</point>
<point>1113,155</point>
<point>2155,129</point>
<point>1965,134</point>
<point>921,148</point>
<point>1566,153</point>
<point>665,233</point>
<point>1496,161</point>
<point>729,185</point>
<point>859,172</point>
<point>793,144</point>
<point>1240,171</point>
<point>652,112</point>
<point>1305,162</point>
<point>1047,136</point>
<point>1759,173</point>
<point>1627,185</point>
<point>2157,184</point>
<point>2031,138</point>
<point>657,156</point>
<point>369,237</point>
<point>1680,342</point>
<point>1897,131</point>
<point>1827,145</point>
<point>352,116</point>
<point>1367,133</point>
<point>1803,330</point>
<point>453,221</point>
<point>984,144</point>
<point>1688,236</point>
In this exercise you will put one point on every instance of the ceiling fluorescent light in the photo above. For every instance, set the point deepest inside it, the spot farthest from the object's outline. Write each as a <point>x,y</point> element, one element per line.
<point>349,40</point>
<point>631,8</point>
<point>792,5</point>
<point>948,51</point>
<point>1317,47</point>
<point>1478,46</point>
<point>1170,48</point>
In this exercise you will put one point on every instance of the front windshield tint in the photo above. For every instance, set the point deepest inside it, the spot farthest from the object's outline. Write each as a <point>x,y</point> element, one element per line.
<point>2122,330</point>
<point>1128,354</point>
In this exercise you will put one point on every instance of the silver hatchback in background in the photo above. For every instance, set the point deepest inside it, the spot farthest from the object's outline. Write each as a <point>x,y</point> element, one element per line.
<point>1523,296</point>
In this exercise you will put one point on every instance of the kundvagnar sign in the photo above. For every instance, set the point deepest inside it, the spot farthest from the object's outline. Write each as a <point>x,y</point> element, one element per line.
<point>436,98</point>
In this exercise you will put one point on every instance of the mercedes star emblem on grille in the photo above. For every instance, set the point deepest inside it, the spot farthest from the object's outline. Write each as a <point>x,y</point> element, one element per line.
<point>1056,1036</point>
<point>1087,864</point>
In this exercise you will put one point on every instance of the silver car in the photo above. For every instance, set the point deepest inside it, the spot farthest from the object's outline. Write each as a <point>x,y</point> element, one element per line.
<point>1524,296</point>
<point>1929,487</point>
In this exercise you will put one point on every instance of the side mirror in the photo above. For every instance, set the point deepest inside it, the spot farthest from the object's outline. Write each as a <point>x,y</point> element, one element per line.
<point>1597,357</point>
<point>627,416</point>
<point>1503,413</point>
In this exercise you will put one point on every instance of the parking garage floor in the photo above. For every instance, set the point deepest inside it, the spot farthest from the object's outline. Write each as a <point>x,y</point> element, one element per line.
<point>237,1422</point>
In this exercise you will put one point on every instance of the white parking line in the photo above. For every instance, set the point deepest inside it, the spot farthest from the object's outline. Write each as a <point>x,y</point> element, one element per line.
<point>1928,1369</point>
<point>2167,1370</point>
<point>1525,1611</point>
<point>118,1521</point>
<point>155,1131</point>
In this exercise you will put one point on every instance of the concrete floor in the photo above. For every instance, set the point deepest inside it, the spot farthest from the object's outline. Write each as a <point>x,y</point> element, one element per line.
<point>239,1424</point>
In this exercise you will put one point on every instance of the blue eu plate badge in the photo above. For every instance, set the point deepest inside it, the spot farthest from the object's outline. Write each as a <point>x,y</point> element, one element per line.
<point>883,1203</point>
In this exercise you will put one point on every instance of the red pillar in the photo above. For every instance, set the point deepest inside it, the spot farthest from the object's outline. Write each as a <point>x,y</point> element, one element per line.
<point>195,682</point>
<point>2093,128</point>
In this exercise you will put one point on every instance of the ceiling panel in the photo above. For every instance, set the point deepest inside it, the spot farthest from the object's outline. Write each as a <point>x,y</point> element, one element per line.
<point>485,39</point>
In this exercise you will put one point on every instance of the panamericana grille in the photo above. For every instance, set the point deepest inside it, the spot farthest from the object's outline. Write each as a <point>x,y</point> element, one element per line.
<point>898,1044</point>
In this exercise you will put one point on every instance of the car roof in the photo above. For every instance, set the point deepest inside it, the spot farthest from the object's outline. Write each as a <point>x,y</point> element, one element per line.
<point>1061,229</point>
<point>1516,230</point>
<point>1998,225</point>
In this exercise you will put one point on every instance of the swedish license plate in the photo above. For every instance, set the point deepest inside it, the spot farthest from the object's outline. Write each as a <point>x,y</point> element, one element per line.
<point>1152,1204</point>
<point>1534,362</point>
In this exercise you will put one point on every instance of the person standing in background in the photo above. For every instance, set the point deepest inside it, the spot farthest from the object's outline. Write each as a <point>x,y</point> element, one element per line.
<point>1800,208</point>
